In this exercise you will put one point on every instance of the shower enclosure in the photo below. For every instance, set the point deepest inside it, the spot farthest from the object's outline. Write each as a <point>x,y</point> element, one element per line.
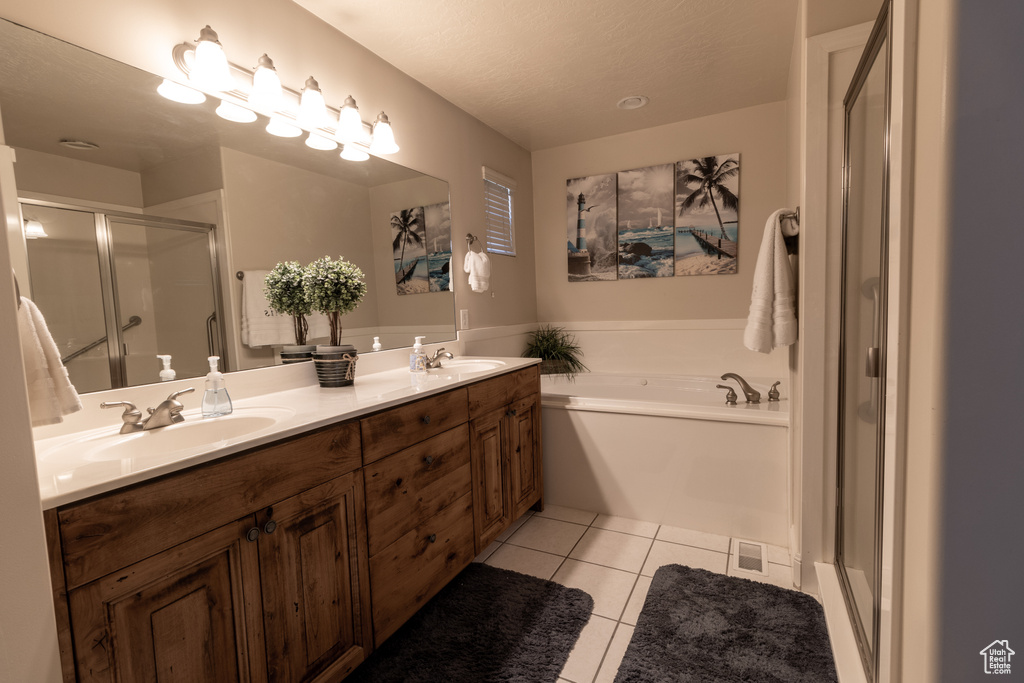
<point>117,289</point>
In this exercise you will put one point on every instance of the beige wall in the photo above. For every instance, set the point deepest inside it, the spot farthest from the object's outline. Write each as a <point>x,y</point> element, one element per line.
<point>758,134</point>
<point>829,15</point>
<point>187,177</point>
<point>76,179</point>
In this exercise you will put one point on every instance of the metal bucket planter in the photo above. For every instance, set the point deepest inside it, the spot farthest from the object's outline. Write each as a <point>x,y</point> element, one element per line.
<point>297,354</point>
<point>335,365</point>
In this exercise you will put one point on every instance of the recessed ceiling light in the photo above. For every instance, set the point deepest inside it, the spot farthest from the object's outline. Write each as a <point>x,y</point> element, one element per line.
<point>633,102</point>
<point>78,144</point>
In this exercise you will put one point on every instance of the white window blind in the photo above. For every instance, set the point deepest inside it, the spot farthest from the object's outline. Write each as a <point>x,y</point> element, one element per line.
<point>498,218</point>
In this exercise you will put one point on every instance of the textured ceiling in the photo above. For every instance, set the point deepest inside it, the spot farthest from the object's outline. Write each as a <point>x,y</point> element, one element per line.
<point>549,72</point>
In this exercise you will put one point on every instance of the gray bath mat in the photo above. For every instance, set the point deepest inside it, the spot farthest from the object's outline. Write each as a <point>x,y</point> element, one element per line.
<point>700,627</point>
<point>488,624</point>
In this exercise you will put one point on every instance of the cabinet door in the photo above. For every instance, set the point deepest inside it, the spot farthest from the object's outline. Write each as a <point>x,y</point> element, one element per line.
<point>315,582</point>
<point>488,451</point>
<point>524,455</point>
<point>188,614</point>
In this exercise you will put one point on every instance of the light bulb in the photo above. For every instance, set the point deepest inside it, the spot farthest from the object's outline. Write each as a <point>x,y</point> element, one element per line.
<point>350,124</point>
<point>177,92</point>
<point>233,112</point>
<point>210,69</point>
<point>320,142</point>
<point>281,128</point>
<point>312,108</point>
<point>353,153</point>
<point>266,95</point>
<point>383,141</point>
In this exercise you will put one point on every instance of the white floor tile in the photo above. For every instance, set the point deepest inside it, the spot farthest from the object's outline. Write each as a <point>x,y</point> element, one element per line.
<point>609,587</point>
<point>612,549</point>
<point>778,575</point>
<point>697,539</point>
<point>513,527</point>
<point>585,658</point>
<point>636,600</point>
<point>486,552</point>
<point>779,555</point>
<point>663,553</point>
<point>548,535</point>
<point>626,526</point>
<point>612,658</point>
<point>525,561</point>
<point>567,514</point>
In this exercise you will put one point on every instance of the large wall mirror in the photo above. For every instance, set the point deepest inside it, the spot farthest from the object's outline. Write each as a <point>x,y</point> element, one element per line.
<point>154,180</point>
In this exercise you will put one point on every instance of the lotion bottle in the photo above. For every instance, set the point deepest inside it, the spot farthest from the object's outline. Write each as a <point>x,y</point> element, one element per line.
<point>167,374</point>
<point>418,358</point>
<point>216,401</point>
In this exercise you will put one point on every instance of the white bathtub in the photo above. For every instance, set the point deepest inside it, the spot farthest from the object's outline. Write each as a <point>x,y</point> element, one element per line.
<point>667,449</point>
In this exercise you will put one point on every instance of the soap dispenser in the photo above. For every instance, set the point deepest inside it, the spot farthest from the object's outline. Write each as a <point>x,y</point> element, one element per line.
<point>376,344</point>
<point>167,374</point>
<point>418,358</point>
<point>216,401</point>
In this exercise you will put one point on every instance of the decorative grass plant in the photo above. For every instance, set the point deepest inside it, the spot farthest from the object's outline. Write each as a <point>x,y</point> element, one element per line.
<point>286,295</point>
<point>558,351</point>
<point>333,288</point>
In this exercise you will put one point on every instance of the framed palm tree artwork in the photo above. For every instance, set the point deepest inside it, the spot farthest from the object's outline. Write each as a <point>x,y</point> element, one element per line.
<point>707,204</point>
<point>409,246</point>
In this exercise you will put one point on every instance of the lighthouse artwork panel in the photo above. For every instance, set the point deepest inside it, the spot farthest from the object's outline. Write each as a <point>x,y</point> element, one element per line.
<point>646,245</point>
<point>707,206</point>
<point>591,234</point>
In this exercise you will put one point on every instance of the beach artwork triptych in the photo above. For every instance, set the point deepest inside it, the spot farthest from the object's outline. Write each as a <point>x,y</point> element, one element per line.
<point>660,221</point>
<point>421,240</point>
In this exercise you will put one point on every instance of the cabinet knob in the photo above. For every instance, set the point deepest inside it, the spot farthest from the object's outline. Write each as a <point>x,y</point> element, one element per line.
<point>432,537</point>
<point>270,526</point>
<point>252,534</point>
<point>429,459</point>
<point>398,482</point>
<point>513,412</point>
<point>426,419</point>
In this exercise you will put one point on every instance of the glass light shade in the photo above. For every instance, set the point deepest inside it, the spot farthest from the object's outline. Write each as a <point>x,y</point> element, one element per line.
<point>232,112</point>
<point>320,142</point>
<point>34,230</point>
<point>352,153</point>
<point>210,68</point>
<point>383,141</point>
<point>283,129</point>
<point>350,124</point>
<point>266,95</point>
<point>312,108</point>
<point>177,92</point>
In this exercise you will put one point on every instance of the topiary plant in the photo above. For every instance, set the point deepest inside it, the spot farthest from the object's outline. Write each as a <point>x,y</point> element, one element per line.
<point>285,294</point>
<point>333,288</point>
<point>558,351</point>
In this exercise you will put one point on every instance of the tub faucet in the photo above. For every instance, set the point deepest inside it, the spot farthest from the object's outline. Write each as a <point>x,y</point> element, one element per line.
<point>435,360</point>
<point>752,394</point>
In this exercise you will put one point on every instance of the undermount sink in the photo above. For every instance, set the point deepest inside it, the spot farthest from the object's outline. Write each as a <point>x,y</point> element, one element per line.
<point>194,432</point>
<point>470,364</point>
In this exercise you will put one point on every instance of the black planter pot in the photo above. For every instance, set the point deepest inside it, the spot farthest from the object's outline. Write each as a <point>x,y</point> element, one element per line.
<point>297,354</point>
<point>335,365</point>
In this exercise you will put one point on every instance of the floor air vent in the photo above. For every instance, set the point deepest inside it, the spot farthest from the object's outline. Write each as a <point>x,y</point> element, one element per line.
<point>749,557</point>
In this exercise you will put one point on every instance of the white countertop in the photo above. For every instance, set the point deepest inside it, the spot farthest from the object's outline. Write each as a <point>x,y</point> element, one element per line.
<point>75,465</point>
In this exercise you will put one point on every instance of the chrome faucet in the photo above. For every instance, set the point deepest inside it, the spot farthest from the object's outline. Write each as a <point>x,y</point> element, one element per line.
<point>167,413</point>
<point>435,360</point>
<point>752,395</point>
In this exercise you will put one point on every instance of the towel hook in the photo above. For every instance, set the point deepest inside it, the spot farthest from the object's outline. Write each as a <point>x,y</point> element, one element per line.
<point>792,215</point>
<point>240,275</point>
<point>470,239</point>
<point>17,289</point>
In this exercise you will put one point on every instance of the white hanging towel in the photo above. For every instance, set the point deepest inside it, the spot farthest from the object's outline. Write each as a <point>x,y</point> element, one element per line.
<point>260,325</point>
<point>51,395</point>
<point>478,265</point>
<point>772,319</point>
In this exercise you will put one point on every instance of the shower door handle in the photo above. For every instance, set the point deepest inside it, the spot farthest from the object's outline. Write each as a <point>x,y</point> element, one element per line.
<point>872,364</point>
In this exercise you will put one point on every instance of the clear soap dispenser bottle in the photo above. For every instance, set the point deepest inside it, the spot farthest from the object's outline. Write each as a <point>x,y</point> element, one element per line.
<point>216,401</point>
<point>418,358</point>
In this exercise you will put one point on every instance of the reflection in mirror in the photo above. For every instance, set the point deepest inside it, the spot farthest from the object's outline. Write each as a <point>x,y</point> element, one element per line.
<point>270,200</point>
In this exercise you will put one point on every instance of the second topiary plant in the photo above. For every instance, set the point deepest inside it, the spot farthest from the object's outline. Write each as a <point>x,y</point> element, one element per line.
<point>334,288</point>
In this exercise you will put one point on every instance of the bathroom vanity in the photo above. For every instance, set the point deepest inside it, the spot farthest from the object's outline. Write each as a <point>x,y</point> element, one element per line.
<point>292,559</point>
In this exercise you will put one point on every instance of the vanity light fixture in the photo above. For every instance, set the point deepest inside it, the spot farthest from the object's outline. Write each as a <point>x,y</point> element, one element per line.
<point>350,124</point>
<point>383,140</point>
<point>210,69</point>
<point>232,112</point>
<point>34,230</point>
<point>267,94</point>
<point>351,152</point>
<point>180,93</point>
<point>312,107</point>
<point>316,141</point>
<point>281,128</point>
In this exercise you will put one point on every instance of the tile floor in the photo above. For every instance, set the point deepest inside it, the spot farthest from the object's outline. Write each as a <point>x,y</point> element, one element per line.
<point>613,559</point>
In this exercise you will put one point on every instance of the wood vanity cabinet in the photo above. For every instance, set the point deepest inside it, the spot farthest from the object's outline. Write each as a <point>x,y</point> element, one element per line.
<point>251,568</point>
<point>505,450</point>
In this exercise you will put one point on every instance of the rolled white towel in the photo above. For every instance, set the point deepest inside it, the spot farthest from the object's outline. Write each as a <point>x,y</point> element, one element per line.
<point>478,265</point>
<point>771,322</point>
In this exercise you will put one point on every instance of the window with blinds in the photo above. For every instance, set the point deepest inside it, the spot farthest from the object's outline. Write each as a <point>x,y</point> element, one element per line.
<point>498,218</point>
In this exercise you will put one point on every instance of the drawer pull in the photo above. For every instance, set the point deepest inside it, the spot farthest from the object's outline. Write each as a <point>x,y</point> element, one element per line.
<point>432,537</point>
<point>429,459</point>
<point>270,526</point>
<point>252,535</point>
<point>426,419</point>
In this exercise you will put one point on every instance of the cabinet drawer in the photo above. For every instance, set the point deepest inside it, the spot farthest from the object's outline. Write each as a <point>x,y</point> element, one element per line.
<point>104,534</point>
<point>398,428</point>
<point>414,568</point>
<point>415,484</point>
<point>494,393</point>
